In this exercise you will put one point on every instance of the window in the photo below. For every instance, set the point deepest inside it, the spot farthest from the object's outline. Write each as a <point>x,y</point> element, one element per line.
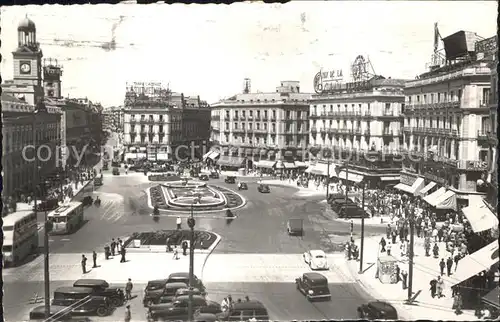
<point>143,117</point>
<point>439,97</point>
<point>459,95</point>
<point>235,125</point>
<point>265,114</point>
<point>236,114</point>
<point>161,128</point>
<point>418,98</point>
<point>452,96</point>
<point>161,117</point>
<point>432,98</point>
<point>227,126</point>
<point>249,126</point>
<point>242,126</point>
<point>274,114</point>
<point>299,115</point>
<point>409,100</point>
<point>227,114</point>
<point>273,127</point>
<point>445,97</point>
<point>243,113</point>
<point>258,114</point>
<point>257,126</point>
<point>425,98</point>
<point>265,126</point>
<point>151,118</point>
<point>250,113</point>
<point>486,96</point>
<point>288,115</point>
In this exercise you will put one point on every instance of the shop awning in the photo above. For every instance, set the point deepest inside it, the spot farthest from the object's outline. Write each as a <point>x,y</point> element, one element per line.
<point>349,176</point>
<point>265,164</point>
<point>426,189</point>
<point>289,165</point>
<point>431,199</point>
<point>480,217</point>
<point>448,200</point>
<point>214,155</point>
<point>393,178</point>
<point>230,161</point>
<point>300,164</point>
<point>475,263</point>
<point>321,169</point>
<point>414,188</point>
<point>493,297</point>
<point>130,156</point>
<point>205,156</point>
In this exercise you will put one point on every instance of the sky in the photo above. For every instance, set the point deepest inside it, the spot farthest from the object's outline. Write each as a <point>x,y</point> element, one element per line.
<point>208,50</point>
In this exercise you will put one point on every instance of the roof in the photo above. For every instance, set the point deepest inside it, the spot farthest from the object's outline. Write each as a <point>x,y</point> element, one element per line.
<point>12,218</point>
<point>179,275</point>
<point>163,281</point>
<point>26,25</point>
<point>315,276</point>
<point>90,281</point>
<point>10,98</point>
<point>186,297</point>
<point>69,289</point>
<point>382,306</point>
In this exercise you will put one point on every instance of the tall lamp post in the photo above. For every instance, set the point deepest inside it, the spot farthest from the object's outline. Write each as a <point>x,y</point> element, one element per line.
<point>363,184</point>
<point>40,108</point>
<point>328,156</point>
<point>411,215</point>
<point>191,223</point>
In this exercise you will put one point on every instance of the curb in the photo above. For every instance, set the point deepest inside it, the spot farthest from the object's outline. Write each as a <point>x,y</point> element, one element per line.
<point>184,215</point>
<point>218,238</point>
<point>244,203</point>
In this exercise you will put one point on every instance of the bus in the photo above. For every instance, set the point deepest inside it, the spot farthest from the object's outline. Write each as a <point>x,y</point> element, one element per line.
<point>67,218</point>
<point>20,231</point>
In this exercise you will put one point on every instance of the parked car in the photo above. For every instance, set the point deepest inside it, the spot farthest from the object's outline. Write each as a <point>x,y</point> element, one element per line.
<point>263,188</point>
<point>101,288</point>
<point>116,171</point>
<point>178,309</point>
<point>242,186</point>
<point>203,177</point>
<point>205,317</point>
<point>377,310</point>
<point>183,277</point>
<point>185,291</point>
<point>153,291</point>
<point>337,204</point>
<point>230,179</point>
<point>214,175</point>
<point>57,313</point>
<point>245,311</point>
<point>170,292</point>
<point>335,196</point>
<point>98,181</point>
<point>352,211</point>
<point>97,305</point>
<point>295,227</point>
<point>314,286</point>
<point>316,259</point>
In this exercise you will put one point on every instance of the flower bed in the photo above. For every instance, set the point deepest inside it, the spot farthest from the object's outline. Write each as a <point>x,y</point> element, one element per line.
<point>203,239</point>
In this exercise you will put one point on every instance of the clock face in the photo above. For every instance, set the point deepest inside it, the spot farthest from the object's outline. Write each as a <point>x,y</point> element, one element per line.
<point>25,67</point>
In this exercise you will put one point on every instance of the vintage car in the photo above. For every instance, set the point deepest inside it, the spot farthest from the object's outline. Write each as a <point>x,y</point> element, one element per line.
<point>183,277</point>
<point>314,286</point>
<point>101,288</point>
<point>335,196</point>
<point>57,313</point>
<point>116,171</point>
<point>97,305</point>
<point>352,211</point>
<point>245,311</point>
<point>263,188</point>
<point>170,292</point>
<point>377,310</point>
<point>203,177</point>
<point>316,259</point>
<point>105,166</point>
<point>185,291</point>
<point>153,291</point>
<point>214,175</point>
<point>178,309</point>
<point>230,179</point>
<point>205,317</point>
<point>242,186</point>
<point>98,181</point>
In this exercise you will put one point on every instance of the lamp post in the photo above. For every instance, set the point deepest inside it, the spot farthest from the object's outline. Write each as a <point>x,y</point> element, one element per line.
<point>191,223</point>
<point>346,165</point>
<point>362,229</point>
<point>40,109</point>
<point>328,155</point>
<point>411,214</point>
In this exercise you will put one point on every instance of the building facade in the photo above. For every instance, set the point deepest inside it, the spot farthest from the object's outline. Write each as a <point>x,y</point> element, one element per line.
<point>162,125</point>
<point>360,123</point>
<point>446,121</point>
<point>262,126</point>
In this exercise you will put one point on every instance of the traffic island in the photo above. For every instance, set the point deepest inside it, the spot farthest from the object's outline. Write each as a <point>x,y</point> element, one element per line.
<point>156,241</point>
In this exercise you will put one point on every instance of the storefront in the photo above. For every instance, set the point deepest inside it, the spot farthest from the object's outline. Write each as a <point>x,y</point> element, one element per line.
<point>350,176</point>
<point>231,163</point>
<point>265,166</point>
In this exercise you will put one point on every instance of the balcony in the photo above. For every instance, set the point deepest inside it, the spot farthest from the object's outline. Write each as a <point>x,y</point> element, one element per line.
<point>483,135</point>
<point>250,118</point>
<point>357,131</point>
<point>323,131</point>
<point>463,72</point>
<point>261,131</point>
<point>249,130</point>
<point>388,133</point>
<point>243,118</point>
<point>433,106</point>
<point>235,118</point>
<point>407,129</point>
<point>226,130</point>
<point>238,131</point>
<point>257,119</point>
<point>265,119</point>
<point>273,118</point>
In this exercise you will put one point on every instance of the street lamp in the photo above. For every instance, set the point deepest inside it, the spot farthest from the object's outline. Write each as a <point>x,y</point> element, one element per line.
<point>40,108</point>
<point>191,223</point>
<point>363,184</point>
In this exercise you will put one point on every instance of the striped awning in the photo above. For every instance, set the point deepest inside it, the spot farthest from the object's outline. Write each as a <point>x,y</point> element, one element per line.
<point>300,164</point>
<point>230,161</point>
<point>265,164</point>
<point>426,189</point>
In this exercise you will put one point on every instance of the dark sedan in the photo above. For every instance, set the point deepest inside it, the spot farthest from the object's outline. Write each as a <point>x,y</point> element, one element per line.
<point>178,309</point>
<point>263,188</point>
<point>377,310</point>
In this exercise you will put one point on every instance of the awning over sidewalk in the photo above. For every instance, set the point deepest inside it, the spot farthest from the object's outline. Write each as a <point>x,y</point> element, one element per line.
<point>432,198</point>
<point>205,156</point>
<point>413,189</point>
<point>214,155</point>
<point>477,262</point>
<point>426,189</point>
<point>265,164</point>
<point>448,200</point>
<point>300,164</point>
<point>349,176</point>
<point>393,178</point>
<point>321,169</point>
<point>230,161</point>
<point>289,165</point>
<point>493,297</point>
<point>480,217</point>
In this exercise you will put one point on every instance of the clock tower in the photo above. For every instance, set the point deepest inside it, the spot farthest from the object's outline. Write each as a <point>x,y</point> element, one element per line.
<point>27,63</point>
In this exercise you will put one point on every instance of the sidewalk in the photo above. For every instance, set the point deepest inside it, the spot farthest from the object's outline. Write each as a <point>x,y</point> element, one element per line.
<point>425,268</point>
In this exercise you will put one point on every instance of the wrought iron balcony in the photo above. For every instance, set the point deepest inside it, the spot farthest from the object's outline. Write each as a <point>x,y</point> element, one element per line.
<point>482,135</point>
<point>238,131</point>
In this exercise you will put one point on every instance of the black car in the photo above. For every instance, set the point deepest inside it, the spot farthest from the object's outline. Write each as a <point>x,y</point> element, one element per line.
<point>203,177</point>
<point>335,196</point>
<point>170,292</point>
<point>377,310</point>
<point>214,175</point>
<point>153,291</point>
<point>83,300</point>
<point>87,201</point>
<point>101,288</point>
<point>352,211</point>
<point>242,186</point>
<point>178,309</point>
<point>263,188</point>
<point>183,277</point>
<point>244,311</point>
<point>230,179</point>
<point>314,286</point>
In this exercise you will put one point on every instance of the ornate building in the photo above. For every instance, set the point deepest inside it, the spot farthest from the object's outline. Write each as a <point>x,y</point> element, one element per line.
<point>360,122</point>
<point>162,125</point>
<point>446,121</point>
<point>262,126</point>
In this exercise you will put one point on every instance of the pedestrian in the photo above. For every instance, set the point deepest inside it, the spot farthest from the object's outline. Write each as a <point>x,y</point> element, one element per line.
<point>184,247</point>
<point>176,253</point>
<point>128,290</point>
<point>128,315</point>
<point>84,264</point>
<point>179,222</point>
<point>224,305</point>
<point>440,234</point>
<point>247,299</point>
<point>394,236</point>
<point>440,287</point>
<point>449,264</point>
<point>382,245</point>
<point>434,235</point>
<point>398,273</point>
<point>435,250</point>
<point>388,231</point>
<point>122,252</point>
<point>404,278</point>
<point>456,259</point>
<point>427,247</point>
<point>349,251</point>
<point>106,252</point>
<point>433,284</point>
<point>119,245</point>
<point>94,259</point>
<point>169,248</point>
<point>456,304</point>
<point>389,245</point>
<point>113,246</point>
<point>442,265</point>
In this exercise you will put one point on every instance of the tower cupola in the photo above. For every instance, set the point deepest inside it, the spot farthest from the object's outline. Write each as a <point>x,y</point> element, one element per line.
<point>26,33</point>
